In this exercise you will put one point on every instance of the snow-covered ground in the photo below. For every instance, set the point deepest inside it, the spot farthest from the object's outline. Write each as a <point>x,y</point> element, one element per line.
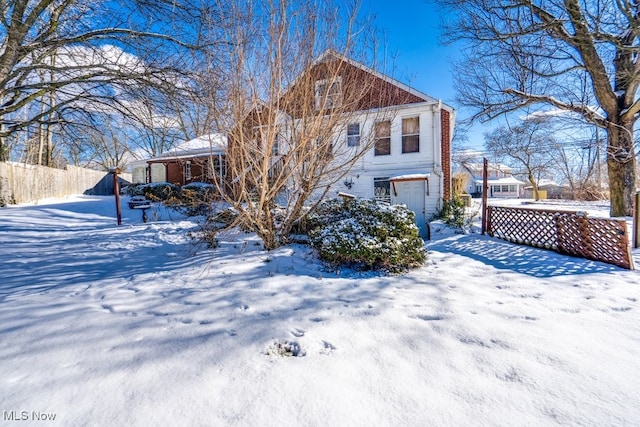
<point>137,325</point>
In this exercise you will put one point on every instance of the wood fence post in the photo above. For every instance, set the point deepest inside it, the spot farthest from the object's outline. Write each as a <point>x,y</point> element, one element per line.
<point>636,221</point>
<point>485,196</point>
<point>116,191</point>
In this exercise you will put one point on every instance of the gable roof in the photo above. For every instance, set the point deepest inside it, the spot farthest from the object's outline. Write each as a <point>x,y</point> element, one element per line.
<point>380,90</point>
<point>330,54</point>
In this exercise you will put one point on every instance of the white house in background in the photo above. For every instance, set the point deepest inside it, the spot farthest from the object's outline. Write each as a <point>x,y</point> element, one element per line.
<point>410,162</point>
<point>500,180</point>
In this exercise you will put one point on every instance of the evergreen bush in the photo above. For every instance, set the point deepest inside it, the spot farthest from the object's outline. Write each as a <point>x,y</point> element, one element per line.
<point>366,234</point>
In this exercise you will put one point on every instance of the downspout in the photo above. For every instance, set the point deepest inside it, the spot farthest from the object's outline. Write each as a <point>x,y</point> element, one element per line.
<point>437,166</point>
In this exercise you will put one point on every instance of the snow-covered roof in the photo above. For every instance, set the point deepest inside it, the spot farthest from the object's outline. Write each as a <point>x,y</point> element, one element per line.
<point>477,167</point>
<point>214,143</point>
<point>547,183</point>
<point>501,181</point>
<point>410,177</point>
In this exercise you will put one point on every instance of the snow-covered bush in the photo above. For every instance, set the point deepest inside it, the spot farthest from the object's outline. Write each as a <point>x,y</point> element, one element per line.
<point>366,234</point>
<point>157,191</point>
<point>194,199</point>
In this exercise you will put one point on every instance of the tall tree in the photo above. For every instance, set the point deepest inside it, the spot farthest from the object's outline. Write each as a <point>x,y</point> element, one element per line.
<point>578,56</point>
<point>529,146</point>
<point>60,56</point>
<point>288,113</point>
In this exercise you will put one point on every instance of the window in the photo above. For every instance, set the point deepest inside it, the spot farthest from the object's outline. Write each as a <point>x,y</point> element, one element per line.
<point>325,147</point>
<point>411,135</point>
<point>512,189</point>
<point>382,189</point>
<point>383,138</point>
<point>275,149</point>
<point>505,188</point>
<point>496,188</point>
<point>261,135</point>
<point>328,93</point>
<point>187,171</point>
<point>353,134</point>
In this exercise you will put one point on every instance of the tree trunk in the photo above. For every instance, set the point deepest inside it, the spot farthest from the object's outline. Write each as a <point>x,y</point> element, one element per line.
<point>534,185</point>
<point>621,165</point>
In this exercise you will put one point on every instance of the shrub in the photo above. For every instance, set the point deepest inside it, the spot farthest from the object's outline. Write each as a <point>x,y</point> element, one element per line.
<point>194,199</point>
<point>366,234</point>
<point>454,213</point>
<point>156,191</point>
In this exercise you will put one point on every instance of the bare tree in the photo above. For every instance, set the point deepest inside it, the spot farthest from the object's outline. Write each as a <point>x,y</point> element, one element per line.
<point>577,56</point>
<point>290,109</point>
<point>61,56</point>
<point>529,146</point>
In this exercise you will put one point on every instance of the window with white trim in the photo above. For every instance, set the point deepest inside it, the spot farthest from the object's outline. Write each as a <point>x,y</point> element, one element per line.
<point>328,93</point>
<point>382,189</point>
<point>383,138</point>
<point>353,134</point>
<point>324,145</point>
<point>411,135</point>
<point>187,170</point>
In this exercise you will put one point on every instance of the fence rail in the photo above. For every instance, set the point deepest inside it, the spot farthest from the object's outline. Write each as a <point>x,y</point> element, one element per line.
<point>21,183</point>
<point>571,233</point>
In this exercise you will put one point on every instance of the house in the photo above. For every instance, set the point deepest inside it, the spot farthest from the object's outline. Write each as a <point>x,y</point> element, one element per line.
<point>547,189</point>
<point>399,136</point>
<point>500,180</point>
<point>202,159</point>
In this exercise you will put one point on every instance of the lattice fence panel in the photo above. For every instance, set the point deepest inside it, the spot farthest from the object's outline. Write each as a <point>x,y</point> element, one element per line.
<point>595,238</point>
<point>525,226</point>
<point>570,233</point>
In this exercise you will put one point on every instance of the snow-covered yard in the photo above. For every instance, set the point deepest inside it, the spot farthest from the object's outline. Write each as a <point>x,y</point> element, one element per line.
<point>137,325</point>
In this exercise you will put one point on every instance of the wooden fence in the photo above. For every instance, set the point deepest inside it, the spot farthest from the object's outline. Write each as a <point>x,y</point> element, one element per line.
<point>21,183</point>
<point>571,233</point>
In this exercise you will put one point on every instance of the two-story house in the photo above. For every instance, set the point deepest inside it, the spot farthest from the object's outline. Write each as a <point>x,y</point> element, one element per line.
<point>398,137</point>
<point>500,180</point>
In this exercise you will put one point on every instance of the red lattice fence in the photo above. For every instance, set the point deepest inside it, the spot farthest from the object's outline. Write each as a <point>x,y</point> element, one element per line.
<point>570,233</point>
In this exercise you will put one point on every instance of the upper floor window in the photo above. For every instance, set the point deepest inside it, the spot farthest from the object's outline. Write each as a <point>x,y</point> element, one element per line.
<point>353,134</point>
<point>411,135</point>
<point>262,136</point>
<point>383,138</point>
<point>328,93</point>
<point>324,146</point>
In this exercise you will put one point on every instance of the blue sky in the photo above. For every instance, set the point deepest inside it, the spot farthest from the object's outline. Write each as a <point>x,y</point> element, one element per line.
<point>411,31</point>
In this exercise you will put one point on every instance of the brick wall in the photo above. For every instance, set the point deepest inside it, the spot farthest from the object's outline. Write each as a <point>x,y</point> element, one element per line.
<point>445,130</point>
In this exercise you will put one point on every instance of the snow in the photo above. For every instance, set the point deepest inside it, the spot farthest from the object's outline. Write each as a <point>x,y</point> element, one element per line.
<point>410,177</point>
<point>138,325</point>
<point>212,143</point>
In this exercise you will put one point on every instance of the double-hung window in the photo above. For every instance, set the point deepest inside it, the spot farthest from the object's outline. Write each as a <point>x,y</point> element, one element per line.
<point>383,138</point>
<point>328,93</point>
<point>411,135</point>
<point>353,134</point>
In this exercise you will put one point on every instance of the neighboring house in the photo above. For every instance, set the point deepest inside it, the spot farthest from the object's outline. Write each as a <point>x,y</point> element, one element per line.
<point>198,160</point>
<point>410,159</point>
<point>549,189</point>
<point>500,180</point>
